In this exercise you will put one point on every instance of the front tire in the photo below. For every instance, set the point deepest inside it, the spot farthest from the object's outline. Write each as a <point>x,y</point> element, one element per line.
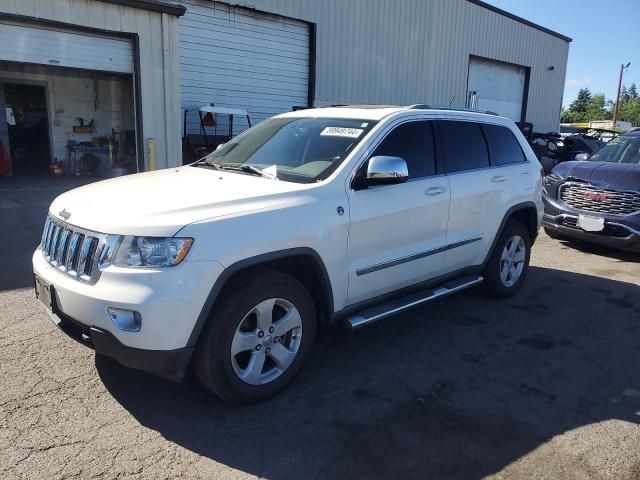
<point>258,335</point>
<point>508,264</point>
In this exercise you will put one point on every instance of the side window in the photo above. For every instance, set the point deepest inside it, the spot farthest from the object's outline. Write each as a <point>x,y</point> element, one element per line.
<point>463,146</point>
<point>503,145</point>
<point>412,141</point>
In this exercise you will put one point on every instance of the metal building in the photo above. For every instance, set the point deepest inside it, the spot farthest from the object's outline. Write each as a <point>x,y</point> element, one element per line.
<point>99,87</point>
<point>270,55</point>
<point>89,87</point>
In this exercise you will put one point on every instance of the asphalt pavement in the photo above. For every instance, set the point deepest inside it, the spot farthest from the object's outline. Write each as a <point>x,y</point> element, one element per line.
<point>542,385</point>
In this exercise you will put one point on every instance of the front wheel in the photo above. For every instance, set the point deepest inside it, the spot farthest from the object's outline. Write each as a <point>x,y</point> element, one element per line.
<point>508,264</point>
<point>257,337</point>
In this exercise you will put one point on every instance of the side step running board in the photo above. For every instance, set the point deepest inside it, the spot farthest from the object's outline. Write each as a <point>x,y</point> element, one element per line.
<point>385,310</point>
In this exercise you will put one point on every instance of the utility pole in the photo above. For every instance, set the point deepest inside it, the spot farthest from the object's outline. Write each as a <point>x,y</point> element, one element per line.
<point>615,105</point>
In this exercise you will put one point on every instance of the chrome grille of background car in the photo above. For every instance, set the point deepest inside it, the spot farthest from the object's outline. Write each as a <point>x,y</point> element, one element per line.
<point>71,250</point>
<point>589,198</point>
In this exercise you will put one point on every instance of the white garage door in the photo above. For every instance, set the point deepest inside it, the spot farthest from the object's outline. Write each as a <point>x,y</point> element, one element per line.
<point>235,57</point>
<point>499,87</point>
<point>43,46</point>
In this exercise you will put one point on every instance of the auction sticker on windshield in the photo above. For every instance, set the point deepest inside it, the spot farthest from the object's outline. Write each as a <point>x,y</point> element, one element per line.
<point>342,132</point>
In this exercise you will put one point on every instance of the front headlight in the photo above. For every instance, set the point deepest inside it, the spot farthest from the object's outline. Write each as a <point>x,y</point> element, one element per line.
<point>550,182</point>
<point>151,251</point>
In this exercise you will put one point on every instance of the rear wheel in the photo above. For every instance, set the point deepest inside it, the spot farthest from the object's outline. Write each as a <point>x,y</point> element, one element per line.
<point>508,264</point>
<point>257,337</point>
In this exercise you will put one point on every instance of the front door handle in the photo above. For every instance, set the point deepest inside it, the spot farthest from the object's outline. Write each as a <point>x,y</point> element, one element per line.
<point>433,191</point>
<point>499,179</point>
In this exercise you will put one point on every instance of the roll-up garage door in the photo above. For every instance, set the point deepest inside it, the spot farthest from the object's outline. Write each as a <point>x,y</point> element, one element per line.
<point>45,46</point>
<point>235,57</point>
<point>499,86</point>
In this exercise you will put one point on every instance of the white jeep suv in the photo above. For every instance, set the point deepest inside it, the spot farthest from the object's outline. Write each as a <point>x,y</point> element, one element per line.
<point>346,214</point>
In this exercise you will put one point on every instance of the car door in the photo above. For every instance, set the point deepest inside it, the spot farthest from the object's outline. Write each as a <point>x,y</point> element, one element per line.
<point>479,193</point>
<point>397,233</point>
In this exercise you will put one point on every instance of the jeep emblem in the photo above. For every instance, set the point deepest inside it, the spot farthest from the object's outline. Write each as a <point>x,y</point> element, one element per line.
<point>65,214</point>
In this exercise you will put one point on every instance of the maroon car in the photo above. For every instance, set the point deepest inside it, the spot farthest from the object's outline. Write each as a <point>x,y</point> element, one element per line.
<point>597,199</point>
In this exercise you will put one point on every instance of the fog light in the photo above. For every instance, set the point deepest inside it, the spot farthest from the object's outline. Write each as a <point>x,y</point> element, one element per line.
<point>126,320</point>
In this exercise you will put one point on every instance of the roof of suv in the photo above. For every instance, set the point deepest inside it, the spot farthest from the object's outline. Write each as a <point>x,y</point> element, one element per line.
<point>378,112</point>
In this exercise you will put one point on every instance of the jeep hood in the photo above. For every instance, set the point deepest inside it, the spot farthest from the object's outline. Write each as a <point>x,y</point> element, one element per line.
<point>624,176</point>
<point>162,202</point>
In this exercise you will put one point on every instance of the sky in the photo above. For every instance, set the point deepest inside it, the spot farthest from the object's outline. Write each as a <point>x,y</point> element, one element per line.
<point>605,35</point>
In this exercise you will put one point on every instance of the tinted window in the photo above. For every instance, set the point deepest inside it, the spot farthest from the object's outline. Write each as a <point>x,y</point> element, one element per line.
<point>414,142</point>
<point>463,146</point>
<point>503,146</point>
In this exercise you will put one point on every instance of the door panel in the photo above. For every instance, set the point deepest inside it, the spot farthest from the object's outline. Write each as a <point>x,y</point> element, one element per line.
<point>397,234</point>
<point>473,215</point>
<point>487,175</point>
<point>474,190</point>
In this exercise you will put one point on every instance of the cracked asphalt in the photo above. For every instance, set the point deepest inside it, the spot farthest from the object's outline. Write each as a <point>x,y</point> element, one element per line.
<point>543,385</point>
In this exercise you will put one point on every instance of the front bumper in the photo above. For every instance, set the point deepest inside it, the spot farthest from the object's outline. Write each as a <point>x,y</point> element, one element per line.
<point>168,301</point>
<point>620,231</point>
<point>170,364</point>
<point>615,235</point>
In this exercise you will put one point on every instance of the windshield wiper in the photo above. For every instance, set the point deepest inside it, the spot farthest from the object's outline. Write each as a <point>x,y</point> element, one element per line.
<point>247,169</point>
<point>257,171</point>
<point>208,163</point>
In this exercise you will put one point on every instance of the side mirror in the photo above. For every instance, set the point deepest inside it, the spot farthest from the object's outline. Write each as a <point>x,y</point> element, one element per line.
<point>581,157</point>
<point>384,170</point>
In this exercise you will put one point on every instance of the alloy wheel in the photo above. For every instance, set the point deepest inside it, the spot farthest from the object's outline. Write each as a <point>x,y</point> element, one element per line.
<point>266,341</point>
<point>512,260</point>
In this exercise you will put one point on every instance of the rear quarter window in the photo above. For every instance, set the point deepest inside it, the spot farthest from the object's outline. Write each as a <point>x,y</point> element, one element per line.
<point>463,146</point>
<point>504,148</point>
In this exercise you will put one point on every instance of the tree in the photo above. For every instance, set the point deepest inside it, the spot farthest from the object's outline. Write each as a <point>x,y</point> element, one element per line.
<point>569,116</point>
<point>581,103</point>
<point>633,91</point>
<point>596,109</point>
<point>630,111</point>
<point>624,94</point>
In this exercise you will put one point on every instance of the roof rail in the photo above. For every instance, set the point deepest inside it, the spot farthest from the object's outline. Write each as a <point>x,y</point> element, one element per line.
<point>424,106</point>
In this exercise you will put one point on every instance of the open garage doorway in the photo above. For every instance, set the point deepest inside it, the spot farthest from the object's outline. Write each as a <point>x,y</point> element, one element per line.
<point>27,128</point>
<point>70,100</point>
<point>67,122</point>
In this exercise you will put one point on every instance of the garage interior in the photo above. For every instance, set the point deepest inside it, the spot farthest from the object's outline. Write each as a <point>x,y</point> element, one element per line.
<point>69,102</point>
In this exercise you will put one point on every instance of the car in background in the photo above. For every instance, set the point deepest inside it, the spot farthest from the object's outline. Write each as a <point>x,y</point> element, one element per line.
<point>559,148</point>
<point>597,197</point>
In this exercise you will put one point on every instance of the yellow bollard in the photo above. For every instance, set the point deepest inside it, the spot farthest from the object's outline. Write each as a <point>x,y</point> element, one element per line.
<point>151,154</point>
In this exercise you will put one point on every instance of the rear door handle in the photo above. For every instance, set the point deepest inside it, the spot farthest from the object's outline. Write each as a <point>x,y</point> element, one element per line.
<point>433,191</point>
<point>499,179</point>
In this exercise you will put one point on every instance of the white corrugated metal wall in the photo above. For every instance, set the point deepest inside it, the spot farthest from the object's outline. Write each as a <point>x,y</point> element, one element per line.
<point>234,57</point>
<point>159,71</point>
<point>411,51</point>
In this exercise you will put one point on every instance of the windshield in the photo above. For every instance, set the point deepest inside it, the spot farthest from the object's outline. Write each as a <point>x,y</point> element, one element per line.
<point>621,149</point>
<point>302,150</point>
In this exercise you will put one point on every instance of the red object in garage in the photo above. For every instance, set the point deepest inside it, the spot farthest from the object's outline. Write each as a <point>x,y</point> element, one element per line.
<point>5,160</point>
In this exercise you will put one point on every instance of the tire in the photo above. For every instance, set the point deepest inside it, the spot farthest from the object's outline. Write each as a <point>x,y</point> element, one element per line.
<point>496,284</point>
<point>240,322</point>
